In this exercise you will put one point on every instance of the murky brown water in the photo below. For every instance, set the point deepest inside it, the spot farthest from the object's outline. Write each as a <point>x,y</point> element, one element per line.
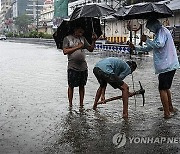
<point>34,114</point>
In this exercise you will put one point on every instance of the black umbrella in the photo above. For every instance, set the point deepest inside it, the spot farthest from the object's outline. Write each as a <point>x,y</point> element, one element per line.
<point>143,11</point>
<point>66,28</point>
<point>92,10</point>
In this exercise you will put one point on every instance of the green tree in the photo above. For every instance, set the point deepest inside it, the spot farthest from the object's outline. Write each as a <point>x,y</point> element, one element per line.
<point>22,23</point>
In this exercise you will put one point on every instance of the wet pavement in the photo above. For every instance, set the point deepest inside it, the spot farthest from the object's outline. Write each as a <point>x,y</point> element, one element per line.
<point>34,114</point>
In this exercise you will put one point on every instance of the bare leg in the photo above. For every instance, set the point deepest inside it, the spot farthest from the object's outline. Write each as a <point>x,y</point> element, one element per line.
<point>98,95</point>
<point>103,94</point>
<point>171,109</point>
<point>125,95</point>
<point>81,95</point>
<point>165,103</point>
<point>70,95</point>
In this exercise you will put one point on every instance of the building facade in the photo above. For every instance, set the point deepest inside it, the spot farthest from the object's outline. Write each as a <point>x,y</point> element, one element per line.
<point>11,9</point>
<point>54,11</point>
<point>5,15</point>
<point>46,17</point>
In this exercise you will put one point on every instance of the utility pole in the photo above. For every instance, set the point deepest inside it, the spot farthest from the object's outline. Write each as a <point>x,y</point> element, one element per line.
<point>37,15</point>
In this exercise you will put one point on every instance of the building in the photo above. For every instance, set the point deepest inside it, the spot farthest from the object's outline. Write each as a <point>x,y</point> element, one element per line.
<point>33,8</point>
<point>10,9</point>
<point>117,31</point>
<point>51,15</point>
<point>46,17</point>
<point>5,16</point>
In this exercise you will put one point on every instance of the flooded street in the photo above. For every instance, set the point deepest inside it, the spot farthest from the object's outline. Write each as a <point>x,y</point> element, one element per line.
<point>34,114</point>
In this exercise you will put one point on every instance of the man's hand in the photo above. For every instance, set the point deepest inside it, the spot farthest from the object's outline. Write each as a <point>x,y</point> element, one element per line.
<point>70,50</point>
<point>94,37</point>
<point>131,45</point>
<point>80,45</point>
<point>143,38</point>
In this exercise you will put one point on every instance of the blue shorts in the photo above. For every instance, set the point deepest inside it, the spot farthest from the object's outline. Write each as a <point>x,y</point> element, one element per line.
<point>77,78</point>
<point>165,80</point>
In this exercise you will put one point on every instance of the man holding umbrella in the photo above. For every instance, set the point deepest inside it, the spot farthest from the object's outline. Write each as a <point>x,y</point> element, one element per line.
<point>74,47</point>
<point>165,60</point>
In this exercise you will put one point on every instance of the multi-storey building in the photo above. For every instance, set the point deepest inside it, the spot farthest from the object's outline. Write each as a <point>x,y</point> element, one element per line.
<point>10,9</point>
<point>46,17</point>
<point>5,15</point>
<point>28,7</point>
<point>115,30</point>
<point>34,8</point>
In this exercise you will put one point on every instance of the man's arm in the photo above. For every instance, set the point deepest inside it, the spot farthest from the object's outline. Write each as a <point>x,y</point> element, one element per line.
<point>158,42</point>
<point>70,50</point>
<point>160,39</point>
<point>92,46</point>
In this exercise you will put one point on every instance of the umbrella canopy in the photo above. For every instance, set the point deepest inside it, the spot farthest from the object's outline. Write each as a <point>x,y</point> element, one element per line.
<point>66,28</point>
<point>143,11</point>
<point>92,10</point>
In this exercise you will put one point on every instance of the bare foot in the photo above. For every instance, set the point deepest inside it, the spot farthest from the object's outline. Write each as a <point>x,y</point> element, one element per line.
<point>125,116</point>
<point>94,106</point>
<point>103,102</point>
<point>70,106</point>
<point>102,99</point>
<point>172,110</point>
<point>81,106</point>
<point>81,109</point>
<point>167,116</point>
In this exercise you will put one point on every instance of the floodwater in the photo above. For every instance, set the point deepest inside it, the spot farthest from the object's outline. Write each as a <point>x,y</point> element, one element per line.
<point>34,114</point>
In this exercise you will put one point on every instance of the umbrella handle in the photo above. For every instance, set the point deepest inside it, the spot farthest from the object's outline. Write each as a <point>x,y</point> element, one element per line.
<point>92,25</point>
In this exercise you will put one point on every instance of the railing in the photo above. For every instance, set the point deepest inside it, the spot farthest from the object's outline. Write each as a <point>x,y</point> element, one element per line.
<point>113,47</point>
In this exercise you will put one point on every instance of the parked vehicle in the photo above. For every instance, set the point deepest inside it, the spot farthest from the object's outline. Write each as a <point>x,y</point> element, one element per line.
<point>2,37</point>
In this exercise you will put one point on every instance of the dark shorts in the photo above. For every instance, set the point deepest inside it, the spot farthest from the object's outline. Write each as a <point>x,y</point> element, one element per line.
<point>165,80</point>
<point>104,78</point>
<point>77,78</point>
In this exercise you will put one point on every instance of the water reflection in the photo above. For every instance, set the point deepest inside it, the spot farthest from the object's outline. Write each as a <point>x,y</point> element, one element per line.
<point>34,111</point>
<point>93,131</point>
